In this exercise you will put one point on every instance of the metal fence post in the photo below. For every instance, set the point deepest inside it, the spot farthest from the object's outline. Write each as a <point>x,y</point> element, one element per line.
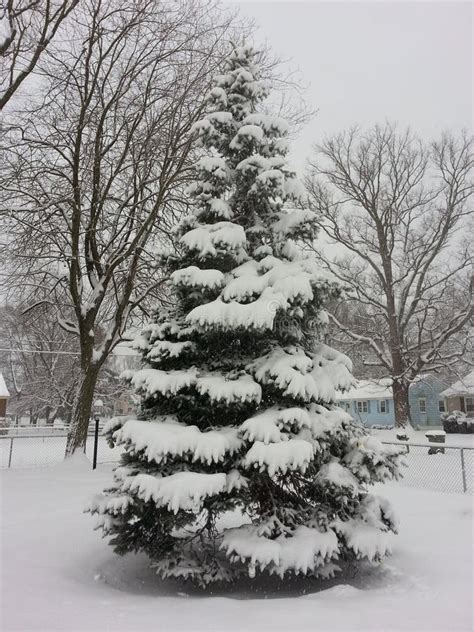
<point>96,442</point>
<point>10,453</point>
<point>463,470</point>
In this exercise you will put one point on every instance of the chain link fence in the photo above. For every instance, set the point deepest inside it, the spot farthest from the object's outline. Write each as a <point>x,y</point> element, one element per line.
<point>21,431</point>
<point>438,467</point>
<point>34,450</point>
<point>449,470</point>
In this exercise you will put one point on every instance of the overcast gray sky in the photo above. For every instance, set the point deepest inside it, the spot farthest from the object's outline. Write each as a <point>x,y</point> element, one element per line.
<point>369,61</point>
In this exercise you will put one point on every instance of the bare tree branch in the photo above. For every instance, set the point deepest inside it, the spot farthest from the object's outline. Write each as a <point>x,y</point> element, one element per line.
<point>399,214</point>
<point>30,27</point>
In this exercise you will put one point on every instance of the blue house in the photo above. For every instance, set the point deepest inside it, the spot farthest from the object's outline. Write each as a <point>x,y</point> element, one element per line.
<point>426,400</point>
<point>371,401</point>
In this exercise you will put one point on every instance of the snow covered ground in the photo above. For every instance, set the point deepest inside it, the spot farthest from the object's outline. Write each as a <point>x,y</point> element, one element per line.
<point>57,574</point>
<point>418,436</point>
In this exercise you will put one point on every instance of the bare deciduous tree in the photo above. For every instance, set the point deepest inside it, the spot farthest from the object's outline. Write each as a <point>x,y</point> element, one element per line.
<point>398,212</point>
<point>39,362</point>
<point>94,172</point>
<point>28,26</point>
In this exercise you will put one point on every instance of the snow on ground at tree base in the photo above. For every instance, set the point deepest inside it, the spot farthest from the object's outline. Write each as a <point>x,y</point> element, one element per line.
<point>57,574</point>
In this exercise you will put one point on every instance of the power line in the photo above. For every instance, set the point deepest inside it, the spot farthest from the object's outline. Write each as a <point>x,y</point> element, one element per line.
<point>55,342</point>
<point>73,353</point>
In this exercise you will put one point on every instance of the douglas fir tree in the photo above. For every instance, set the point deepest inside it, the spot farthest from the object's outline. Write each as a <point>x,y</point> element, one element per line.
<point>238,410</point>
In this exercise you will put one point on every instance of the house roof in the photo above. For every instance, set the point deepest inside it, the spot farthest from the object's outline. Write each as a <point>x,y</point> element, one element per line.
<point>427,377</point>
<point>379,389</point>
<point>3,388</point>
<point>465,386</point>
<point>368,389</point>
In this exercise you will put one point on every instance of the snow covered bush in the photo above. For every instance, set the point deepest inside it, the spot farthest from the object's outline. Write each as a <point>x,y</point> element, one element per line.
<point>457,422</point>
<point>239,413</point>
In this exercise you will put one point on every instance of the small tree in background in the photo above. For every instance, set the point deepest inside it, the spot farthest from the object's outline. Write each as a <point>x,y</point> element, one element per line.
<point>238,398</point>
<point>39,363</point>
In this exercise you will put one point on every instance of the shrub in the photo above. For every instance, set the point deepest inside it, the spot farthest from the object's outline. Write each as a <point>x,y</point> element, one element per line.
<point>456,422</point>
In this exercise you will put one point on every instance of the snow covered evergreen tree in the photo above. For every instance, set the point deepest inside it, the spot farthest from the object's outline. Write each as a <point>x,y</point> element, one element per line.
<point>238,407</point>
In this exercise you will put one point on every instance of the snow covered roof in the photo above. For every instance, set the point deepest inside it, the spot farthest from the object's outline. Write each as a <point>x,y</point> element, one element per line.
<point>368,389</point>
<point>465,386</point>
<point>421,377</point>
<point>427,377</point>
<point>3,388</point>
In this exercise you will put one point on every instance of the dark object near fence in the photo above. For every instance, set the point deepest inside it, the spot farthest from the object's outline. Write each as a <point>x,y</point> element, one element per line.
<point>457,422</point>
<point>402,436</point>
<point>436,436</point>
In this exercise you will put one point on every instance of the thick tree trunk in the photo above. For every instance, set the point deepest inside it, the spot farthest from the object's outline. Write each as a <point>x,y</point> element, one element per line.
<point>81,412</point>
<point>399,386</point>
<point>401,403</point>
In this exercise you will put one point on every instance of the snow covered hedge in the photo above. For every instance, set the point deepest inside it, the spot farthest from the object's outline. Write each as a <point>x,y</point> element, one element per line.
<point>239,414</point>
<point>457,422</point>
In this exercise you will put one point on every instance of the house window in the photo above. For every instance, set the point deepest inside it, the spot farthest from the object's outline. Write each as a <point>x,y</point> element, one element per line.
<point>362,407</point>
<point>422,404</point>
<point>469,402</point>
<point>383,406</point>
<point>441,406</point>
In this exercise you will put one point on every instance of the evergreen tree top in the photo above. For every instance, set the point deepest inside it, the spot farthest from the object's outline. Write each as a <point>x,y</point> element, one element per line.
<point>244,175</point>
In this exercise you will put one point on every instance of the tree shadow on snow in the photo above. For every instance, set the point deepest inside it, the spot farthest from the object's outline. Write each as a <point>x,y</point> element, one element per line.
<point>132,574</point>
